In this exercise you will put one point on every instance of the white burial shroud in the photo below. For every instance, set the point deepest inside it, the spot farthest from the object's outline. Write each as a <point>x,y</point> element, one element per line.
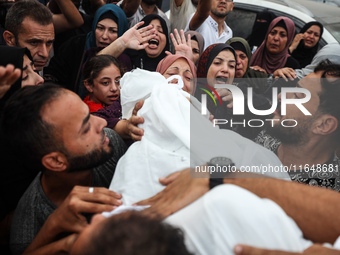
<point>176,136</point>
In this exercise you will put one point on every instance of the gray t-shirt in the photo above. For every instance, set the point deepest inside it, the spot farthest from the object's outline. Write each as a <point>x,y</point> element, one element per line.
<point>34,206</point>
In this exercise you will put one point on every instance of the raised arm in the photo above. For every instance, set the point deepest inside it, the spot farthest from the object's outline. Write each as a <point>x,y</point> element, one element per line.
<point>130,7</point>
<point>134,38</point>
<point>182,45</point>
<point>201,14</point>
<point>8,75</point>
<point>69,17</point>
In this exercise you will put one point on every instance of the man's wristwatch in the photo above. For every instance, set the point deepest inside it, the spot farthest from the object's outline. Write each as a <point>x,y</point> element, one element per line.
<point>220,167</point>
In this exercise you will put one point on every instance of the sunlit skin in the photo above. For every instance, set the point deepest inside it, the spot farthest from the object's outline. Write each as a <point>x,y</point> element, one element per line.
<point>156,45</point>
<point>29,76</point>
<point>106,32</point>
<point>312,36</point>
<point>105,87</point>
<point>277,40</point>
<point>38,39</point>
<point>242,63</point>
<point>222,69</point>
<point>182,68</point>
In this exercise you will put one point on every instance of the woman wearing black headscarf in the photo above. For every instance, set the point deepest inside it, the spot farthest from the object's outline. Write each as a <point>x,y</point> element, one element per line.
<point>216,65</point>
<point>21,59</point>
<point>260,27</point>
<point>221,68</point>
<point>14,177</point>
<point>306,44</point>
<point>149,58</point>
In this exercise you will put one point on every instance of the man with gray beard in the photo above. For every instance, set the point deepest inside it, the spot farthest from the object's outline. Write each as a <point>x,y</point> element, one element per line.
<point>306,144</point>
<point>209,21</point>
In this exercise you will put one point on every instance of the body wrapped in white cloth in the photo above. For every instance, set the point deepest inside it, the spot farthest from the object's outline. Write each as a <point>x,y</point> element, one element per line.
<point>176,136</point>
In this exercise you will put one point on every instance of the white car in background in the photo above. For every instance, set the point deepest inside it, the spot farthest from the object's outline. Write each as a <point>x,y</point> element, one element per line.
<point>242,18</point>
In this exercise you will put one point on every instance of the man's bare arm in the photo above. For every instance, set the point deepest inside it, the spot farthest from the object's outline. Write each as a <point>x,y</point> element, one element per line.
<point>315,210</point>
<point>315,249</point>
<point>201,14</point>
<point>69,17</point>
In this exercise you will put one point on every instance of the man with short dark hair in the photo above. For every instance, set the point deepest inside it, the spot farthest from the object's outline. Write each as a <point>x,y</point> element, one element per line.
<point>209,21</point>
<point>308,148</point>
<point>58,136</point>
<point>127,232</point>
<point>30,24</point>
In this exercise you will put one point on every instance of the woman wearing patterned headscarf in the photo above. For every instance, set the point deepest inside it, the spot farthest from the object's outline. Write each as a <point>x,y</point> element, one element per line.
<point>217,65</point>
<point>273,52</point>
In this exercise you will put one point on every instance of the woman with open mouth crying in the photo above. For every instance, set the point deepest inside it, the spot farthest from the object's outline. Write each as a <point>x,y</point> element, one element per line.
<point>149,58</point>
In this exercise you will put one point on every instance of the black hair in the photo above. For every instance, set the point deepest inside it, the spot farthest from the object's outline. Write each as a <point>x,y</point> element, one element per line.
<point>23,9</point>
<point>96,64</point>
<point>23,131</point>
<point>132,233</point>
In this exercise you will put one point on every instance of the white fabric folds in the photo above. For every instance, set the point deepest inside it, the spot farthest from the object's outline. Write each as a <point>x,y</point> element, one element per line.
<point>176,136</point>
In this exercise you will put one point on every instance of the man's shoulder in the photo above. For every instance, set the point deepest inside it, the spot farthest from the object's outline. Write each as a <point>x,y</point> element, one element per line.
<point>30,214</point>
<point>267,141</point>
<point>116,140</point>
<point>118,144</point>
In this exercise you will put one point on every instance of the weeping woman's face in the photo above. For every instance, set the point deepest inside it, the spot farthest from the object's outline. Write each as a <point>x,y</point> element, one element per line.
<point>157,44</point>
<point>181,67</point>
<point>222,69</point>
<point>29,76</point>
<point>312,36</point>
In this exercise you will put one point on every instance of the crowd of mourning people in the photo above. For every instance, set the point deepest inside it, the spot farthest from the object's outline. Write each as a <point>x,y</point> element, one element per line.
<point>112,117</point>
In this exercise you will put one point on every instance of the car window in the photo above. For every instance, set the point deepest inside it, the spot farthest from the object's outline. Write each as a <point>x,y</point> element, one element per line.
<point>334,29</point>
<point>241,22</point>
